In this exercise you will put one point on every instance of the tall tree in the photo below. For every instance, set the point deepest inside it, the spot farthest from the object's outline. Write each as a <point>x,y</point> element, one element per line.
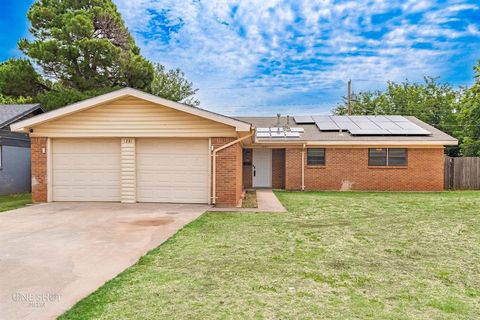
<point>470,118</point>
<point>85,45</point>
<point>172,85</point>
<point>18,78</point>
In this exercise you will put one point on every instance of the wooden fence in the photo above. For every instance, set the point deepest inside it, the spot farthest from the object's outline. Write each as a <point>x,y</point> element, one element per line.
<point>462,173</point>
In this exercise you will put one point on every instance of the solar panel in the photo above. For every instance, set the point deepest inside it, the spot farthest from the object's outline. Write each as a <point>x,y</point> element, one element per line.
<point>303,120</point>
<point>397,118</point>
<point>276,134</point>
<point>263,129</point>
<point>327,126</point>
<point>325,123</point>
<point>366,125</point>
<point>407,125</point>
<point>370,125</point>
<point>276,129</point>
<point>414,132</point>
<point>344,123</point>
<point>366,132</point>
<point>263,134</point>
<point>296,130</point>
<point>388,125</point>
<point>321,118</point>
<point>292,134</point>
<point>378,119</point>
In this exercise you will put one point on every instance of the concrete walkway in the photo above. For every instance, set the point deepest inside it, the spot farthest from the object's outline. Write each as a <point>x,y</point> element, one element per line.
<point>52,255</point>
<point>266,200</point>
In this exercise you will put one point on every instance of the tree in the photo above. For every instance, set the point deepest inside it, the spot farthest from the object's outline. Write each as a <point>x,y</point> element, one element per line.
<point>15,100</point>
<point>470,118</point>
<point>172,85</point>
<point>18,78</point>
<point>85,45</point>
<point>432,102</point>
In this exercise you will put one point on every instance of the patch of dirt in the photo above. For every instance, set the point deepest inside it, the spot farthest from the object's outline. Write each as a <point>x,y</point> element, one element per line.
<point>250,200</point>
<point>151,222</point>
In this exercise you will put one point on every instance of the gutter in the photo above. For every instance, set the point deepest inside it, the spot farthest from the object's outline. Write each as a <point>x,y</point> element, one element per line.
<point>303,167</point>
<point>214,171</point>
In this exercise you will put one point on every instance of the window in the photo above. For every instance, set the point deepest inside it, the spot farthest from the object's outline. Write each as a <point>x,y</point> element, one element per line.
<point>316,157</point>
<point>387,157</point>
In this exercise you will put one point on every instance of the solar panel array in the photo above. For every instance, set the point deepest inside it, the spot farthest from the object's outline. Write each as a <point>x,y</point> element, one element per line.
<point>278,132</point>
<point>365,125</point>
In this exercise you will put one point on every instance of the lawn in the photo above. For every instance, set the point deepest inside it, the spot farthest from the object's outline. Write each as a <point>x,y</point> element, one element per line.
<point>333,255</point>
<point>14,201</point>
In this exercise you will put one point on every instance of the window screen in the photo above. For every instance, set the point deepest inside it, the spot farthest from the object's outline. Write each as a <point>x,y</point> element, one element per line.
<point>316,156</point>
<point>397,157</point>
<point>387,157</point>
<point>377,157</point>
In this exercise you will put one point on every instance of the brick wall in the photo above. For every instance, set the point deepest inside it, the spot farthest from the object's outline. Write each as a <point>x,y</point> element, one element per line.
<point>229,183</point>
<point>39,169</point>
<point>347,169</point>
<point>278,168</point>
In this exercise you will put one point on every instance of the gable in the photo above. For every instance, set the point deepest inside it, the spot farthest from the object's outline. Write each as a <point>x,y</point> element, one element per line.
<point>131,116</point>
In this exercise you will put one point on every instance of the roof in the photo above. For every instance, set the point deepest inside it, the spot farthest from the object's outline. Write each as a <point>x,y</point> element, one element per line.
<point>22,126</point>
<point>10,113</point>
<point>313,135</point>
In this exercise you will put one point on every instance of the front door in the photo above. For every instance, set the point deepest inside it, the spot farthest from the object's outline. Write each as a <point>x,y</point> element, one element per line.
<point>262,168</point>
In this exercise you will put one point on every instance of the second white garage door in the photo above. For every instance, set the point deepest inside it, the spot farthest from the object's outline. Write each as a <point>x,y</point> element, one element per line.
<point>172,170</point>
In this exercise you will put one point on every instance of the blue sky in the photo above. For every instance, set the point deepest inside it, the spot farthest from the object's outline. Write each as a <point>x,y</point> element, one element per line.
<point>263,57</point>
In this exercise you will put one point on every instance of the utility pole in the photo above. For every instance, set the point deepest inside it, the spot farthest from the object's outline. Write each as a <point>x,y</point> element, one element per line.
<point>349,97</point>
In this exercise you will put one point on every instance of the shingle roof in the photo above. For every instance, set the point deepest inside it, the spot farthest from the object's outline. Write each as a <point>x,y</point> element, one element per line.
<point>9,113</point>
<point>312,133</point>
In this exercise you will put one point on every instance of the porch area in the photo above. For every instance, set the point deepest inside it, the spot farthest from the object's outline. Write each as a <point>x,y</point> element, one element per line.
<point>264,168</point>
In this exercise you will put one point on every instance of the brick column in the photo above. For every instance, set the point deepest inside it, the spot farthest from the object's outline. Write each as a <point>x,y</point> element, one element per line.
<point>228,172</point>
<point>293,169</point>
<point>38,149</point>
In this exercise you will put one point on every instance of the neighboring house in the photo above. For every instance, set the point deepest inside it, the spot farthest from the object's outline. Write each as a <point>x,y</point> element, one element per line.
<point>15,173</point>
<point>131,146</point>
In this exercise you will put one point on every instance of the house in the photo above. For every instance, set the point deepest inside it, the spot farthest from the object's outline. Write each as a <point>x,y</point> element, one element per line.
<point>15,174</point>
<point>130,146</point>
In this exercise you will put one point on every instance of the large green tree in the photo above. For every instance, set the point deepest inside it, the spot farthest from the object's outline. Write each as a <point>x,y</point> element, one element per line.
<point>18,78</point>
<point>172,85</point>
<point>85,45</point>
<point>82,48</point>
<point>469,116</point>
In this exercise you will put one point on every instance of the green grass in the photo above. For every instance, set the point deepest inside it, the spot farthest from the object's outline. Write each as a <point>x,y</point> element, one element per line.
<point>333,255</point>
<point>14,201</point>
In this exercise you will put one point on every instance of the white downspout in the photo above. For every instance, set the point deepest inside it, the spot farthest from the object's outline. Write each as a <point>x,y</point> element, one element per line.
<point>214,159</point>
<point>303,168</point>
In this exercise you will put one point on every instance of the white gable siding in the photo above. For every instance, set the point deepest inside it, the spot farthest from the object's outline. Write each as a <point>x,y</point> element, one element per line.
<point>132,117</point>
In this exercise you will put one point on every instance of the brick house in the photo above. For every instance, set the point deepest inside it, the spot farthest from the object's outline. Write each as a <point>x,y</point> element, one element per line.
<point>130,146</point>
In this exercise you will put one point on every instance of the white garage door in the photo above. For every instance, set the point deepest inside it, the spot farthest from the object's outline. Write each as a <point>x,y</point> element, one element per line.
<point>172,170</point>
<point>86,169</point>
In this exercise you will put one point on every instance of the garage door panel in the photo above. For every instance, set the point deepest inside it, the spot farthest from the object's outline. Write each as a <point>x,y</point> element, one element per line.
<point>86,170</point>
<point>172,171</point>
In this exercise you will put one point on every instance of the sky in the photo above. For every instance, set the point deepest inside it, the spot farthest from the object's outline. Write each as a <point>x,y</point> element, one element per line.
<point>265,57</point>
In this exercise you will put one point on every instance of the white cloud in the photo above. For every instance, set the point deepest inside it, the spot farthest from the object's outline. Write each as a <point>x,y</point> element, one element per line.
<point>291,52</point>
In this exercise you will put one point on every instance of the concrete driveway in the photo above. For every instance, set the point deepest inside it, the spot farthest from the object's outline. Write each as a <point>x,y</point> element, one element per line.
<point>52,255</point>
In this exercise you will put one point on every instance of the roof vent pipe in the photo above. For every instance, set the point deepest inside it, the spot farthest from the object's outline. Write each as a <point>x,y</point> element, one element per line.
<point>288,123</point>
<point>278,121</point>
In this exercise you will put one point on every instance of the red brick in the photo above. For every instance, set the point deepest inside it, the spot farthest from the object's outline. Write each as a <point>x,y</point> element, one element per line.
<point>38,149</point>
<point>347,168</point>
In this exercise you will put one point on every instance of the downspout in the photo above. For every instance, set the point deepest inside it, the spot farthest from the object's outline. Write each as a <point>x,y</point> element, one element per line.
<point>214,171</point>
<point>303,167</point>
